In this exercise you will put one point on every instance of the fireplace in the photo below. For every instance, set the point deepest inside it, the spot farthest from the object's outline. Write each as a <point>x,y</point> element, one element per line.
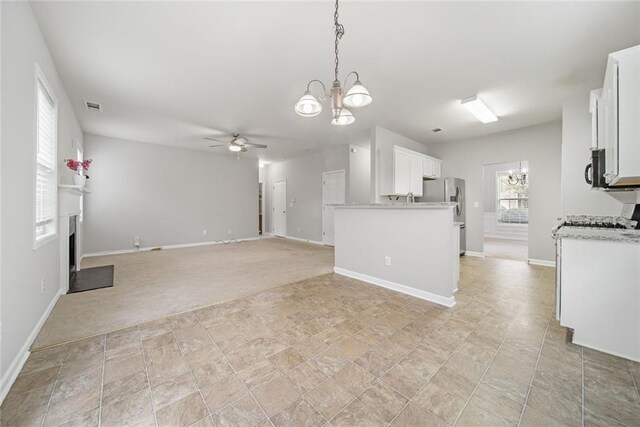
<point>72,249</point>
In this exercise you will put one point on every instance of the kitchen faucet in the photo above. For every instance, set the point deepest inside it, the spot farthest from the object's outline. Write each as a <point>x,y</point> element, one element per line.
<point>410,198</point>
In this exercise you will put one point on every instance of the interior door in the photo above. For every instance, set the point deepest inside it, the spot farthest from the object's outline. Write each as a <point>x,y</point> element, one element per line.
<point>333,193</point>
<point>279,209</point>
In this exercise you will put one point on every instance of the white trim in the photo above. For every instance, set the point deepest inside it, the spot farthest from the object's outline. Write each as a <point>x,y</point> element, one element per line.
<point>184,245</point>
<point>475,254</point>
<point>14,369</point>
<point>506,237</point>
<point>315,242</point>
<point>541,262</point>
<point>428,296</point>
<point>624,356</point>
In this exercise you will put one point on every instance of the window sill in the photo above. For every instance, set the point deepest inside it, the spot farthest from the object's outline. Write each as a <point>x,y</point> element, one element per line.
<point>44,240</point>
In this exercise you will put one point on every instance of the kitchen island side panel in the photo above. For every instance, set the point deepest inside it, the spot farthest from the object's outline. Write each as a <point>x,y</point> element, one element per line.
<point>417,242</point>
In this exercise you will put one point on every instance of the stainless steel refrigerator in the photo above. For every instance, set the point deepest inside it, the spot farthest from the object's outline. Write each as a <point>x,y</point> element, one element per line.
<point>448,189</point>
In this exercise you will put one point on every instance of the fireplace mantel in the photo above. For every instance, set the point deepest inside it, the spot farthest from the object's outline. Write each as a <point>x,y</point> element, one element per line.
<point>69,199</point>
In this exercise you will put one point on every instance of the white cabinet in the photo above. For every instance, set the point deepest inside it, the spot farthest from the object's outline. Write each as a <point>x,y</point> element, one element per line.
<point>599,294</point>
<point>415,181</point>
<point>620,103</point>
<point>402,171</point>
<point>431,167</point>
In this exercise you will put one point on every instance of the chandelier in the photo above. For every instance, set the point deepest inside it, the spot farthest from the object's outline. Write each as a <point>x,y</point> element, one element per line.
<point>357,96</point>
<point>518,179</point>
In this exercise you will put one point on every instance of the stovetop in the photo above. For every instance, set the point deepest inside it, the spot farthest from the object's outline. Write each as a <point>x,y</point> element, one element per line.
<point>604,222</point>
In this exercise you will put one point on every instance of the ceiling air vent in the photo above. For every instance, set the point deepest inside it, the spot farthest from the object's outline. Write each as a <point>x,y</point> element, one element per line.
<point>93,106</point>
<point>436,130</point>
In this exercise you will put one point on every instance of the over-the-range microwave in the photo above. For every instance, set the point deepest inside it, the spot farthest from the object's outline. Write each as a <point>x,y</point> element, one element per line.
<point>595,171</point>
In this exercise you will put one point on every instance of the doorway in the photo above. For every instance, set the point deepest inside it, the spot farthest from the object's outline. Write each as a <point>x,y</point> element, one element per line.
<point>506,210</point>
<point>279,209</point>
<point>333,193</point>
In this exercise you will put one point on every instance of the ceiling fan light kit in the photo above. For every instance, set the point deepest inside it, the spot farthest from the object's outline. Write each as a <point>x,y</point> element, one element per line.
<point>237,144</point>
<point>356,97</point>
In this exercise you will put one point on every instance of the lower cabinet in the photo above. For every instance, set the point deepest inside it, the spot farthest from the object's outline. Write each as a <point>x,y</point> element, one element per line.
<point>598,286</point>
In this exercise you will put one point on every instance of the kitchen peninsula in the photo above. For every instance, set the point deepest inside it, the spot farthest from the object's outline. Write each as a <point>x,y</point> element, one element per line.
<point>410,248</point>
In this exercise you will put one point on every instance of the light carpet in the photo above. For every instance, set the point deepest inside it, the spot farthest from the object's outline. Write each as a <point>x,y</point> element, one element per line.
<point>152,285</point>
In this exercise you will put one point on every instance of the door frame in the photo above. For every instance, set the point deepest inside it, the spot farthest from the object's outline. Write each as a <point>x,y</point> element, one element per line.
<point>273,209</point>
<point>324,174</point>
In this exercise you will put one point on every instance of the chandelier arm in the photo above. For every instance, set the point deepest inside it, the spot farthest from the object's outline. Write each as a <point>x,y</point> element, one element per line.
<point>346,78</point>
<point>324,88</point>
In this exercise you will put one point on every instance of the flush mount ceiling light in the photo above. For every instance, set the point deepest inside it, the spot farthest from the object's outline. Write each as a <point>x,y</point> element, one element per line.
<point>357,96</point>
<point>479,109</point>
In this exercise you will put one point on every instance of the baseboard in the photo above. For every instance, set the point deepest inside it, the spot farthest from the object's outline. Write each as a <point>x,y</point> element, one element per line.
<point>18,362</point>
<point>475,254</point>
<point>428,296</point>
<point>541,262</point>
<point>624,356</point>
<point>185,245</point>
<point>298,239</point>
<point>507,237</point>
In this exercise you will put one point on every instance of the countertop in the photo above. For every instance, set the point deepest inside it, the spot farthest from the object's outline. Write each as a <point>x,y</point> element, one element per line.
<point>606,234</point>
<point>434,205</point>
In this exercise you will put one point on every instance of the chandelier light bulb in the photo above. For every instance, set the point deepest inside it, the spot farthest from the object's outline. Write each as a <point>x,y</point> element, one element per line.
<point>343,118</point>
<point>308,105</point>
<point>358,96</point>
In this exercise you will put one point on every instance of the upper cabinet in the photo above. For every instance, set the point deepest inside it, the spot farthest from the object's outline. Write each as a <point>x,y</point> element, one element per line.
<point>616,120</point>
<point>402,171</point>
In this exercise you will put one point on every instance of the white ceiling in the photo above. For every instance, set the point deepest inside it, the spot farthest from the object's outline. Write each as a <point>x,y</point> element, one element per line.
<point>173,72</point>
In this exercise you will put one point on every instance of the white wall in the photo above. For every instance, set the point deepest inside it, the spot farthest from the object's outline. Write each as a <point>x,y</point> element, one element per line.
<point>166,195</point>
<point>541,146</point>
<point>382,138</point>
<point>577,196</point>
<point>304,183</point>
<point>23,305</point>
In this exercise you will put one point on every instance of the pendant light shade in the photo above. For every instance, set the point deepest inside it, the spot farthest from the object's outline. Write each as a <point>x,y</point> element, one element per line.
<point>235,148</point>
<point>308,105</point>
<point>357,96</point>
<point>343,118</point>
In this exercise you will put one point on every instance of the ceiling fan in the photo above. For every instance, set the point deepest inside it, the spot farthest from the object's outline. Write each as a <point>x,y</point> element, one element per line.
<point>237,144</point>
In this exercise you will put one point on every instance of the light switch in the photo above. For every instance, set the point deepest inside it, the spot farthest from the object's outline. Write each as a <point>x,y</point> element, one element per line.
<point>476,204</point>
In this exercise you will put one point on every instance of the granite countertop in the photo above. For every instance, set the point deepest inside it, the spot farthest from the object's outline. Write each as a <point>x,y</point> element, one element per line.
<point>433,205</point>
<point>606,234</point>
<point>586,227</point>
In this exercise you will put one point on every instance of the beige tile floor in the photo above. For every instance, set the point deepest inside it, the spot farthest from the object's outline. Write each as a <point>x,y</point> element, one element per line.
<point>334,351</point>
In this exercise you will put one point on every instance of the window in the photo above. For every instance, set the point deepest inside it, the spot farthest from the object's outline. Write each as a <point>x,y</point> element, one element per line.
<point>512,200</point>
<point>46,190</point>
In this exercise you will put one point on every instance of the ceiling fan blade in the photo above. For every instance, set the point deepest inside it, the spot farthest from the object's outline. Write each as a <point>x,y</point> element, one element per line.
<point>255,145</point>
<point>244,150</point>
<point>218,145</point>
<point>214,139</point>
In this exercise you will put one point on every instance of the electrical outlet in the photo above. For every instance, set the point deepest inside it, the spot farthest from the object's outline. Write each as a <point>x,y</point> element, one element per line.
<point>387,261</point>
<point>136,242</point>
<point>204,232</point>
<point>42,283</point>
<point>298,229</point>
<point>476,204</point>
<point>229,231</point>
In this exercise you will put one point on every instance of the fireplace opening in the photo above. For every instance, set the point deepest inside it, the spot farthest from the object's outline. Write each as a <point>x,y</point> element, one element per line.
<point>72,249</point>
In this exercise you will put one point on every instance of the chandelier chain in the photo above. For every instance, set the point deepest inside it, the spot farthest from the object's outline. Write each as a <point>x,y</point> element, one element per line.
<point>339,33</point>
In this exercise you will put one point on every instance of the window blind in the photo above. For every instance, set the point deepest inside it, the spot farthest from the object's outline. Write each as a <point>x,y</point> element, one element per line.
<point>46,188</point>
